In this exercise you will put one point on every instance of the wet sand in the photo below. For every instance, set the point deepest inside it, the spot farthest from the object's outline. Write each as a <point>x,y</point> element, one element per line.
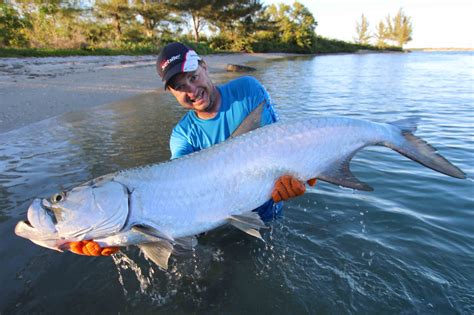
<point>33,89</point>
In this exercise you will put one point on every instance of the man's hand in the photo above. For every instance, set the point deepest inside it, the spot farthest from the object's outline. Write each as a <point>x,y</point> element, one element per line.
<point>91,248</point>
<point>287,187</point>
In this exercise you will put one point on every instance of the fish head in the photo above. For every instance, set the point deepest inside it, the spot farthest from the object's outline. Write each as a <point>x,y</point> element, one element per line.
<point>93,210</point>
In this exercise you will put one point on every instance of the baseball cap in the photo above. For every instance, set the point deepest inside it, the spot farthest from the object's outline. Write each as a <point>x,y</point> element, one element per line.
<point>176,58</point>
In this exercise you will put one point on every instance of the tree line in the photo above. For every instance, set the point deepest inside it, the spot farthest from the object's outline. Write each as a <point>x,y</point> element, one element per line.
<point>232,25</point>
<point>396,30</point>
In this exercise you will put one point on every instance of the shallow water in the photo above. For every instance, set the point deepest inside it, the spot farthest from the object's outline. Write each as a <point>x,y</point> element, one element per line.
<point>407,247</point>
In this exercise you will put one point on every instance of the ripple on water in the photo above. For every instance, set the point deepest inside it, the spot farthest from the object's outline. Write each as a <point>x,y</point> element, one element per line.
<point>404,248</point>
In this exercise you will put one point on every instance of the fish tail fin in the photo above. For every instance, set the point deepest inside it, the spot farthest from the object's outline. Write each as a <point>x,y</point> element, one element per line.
<point>421,151</point>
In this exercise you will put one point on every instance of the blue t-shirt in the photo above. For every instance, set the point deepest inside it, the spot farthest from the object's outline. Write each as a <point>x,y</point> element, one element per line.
<point>238,98</point>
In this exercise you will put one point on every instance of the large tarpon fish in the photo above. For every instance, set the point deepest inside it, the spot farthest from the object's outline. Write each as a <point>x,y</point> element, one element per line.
<point>164,205</point>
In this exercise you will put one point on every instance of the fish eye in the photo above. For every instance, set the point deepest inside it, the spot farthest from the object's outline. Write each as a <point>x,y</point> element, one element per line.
<point>58,197</point>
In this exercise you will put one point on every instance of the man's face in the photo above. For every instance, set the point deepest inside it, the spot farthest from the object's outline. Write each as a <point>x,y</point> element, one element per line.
<point>194,90</point>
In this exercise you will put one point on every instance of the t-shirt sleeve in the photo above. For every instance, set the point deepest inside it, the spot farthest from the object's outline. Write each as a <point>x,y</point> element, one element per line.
<point>259,94</point>
<point>179,144</point>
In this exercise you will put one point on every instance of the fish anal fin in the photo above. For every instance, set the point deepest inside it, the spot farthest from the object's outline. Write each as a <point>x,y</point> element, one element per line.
<point>339,173</point>
<point>251,122</point>
<point>249,223</point>
<point>159,252</point>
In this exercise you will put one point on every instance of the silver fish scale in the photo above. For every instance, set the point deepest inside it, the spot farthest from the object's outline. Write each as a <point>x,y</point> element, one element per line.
<point>200,191</point>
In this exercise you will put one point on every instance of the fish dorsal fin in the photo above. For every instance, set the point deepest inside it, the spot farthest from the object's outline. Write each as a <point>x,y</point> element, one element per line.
<point>406,125</point>
<point>339,173</point>
<point>251,122</point>
<point>249,223</point>
<point>159,252</point>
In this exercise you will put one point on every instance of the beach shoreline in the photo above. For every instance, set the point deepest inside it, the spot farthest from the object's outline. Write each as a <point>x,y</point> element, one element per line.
<point>34,89</point>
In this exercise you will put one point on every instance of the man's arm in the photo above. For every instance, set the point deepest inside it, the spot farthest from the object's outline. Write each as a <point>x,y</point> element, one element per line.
<point>179,145</point>
<point>259,94</point>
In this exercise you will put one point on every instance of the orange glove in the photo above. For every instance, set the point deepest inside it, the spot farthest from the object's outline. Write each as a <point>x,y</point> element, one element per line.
<point>312,182</point>
<point>91,248</point>
<point>287,187</point>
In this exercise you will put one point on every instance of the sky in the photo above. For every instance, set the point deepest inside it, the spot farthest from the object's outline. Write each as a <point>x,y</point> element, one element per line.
<point>436,23</point>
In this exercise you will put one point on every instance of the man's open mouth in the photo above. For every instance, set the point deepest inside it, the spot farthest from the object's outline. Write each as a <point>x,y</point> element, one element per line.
<point>199,97</point>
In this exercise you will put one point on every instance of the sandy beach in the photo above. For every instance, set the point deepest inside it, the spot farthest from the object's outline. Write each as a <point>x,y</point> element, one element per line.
<point>33,89</point>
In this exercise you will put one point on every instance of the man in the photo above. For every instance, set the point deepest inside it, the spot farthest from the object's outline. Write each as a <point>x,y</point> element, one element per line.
<point>215,112</point>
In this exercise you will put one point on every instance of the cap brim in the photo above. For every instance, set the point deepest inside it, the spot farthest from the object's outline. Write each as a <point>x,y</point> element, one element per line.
<point>191,63</point>
<point>176,69</point>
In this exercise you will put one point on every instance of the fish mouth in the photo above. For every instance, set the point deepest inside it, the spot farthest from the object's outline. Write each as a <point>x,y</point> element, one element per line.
<point>41,215</point>
<point>27,223</point>
<point>90,212</point>
<point>39,225</point>
<point>48,240</point>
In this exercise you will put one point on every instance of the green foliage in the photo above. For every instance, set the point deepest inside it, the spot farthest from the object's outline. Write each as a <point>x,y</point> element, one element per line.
<point>397,30</point>
<point>195,10</point>
<point>11,26</point>
<point>50,24</point>
<point>233,18</point>
<point>401,28</point>
<point>326,45</point>
<point>362,29</point>
<point>202,48</point>
<point>97,34</point>
<point>118,12</point>
<point>53,52</point>
<point>381,35</point>
<point>294,27</point>
<point>153,13</point>
<point>78,27</point>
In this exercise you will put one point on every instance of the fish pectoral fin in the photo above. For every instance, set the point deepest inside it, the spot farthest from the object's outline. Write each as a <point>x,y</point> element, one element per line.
<point>184,245</point>
<point>249,223</point>
<point>151,232</point>
<point>159,252</point>
<point>339,173</point>
<point>252,219</point>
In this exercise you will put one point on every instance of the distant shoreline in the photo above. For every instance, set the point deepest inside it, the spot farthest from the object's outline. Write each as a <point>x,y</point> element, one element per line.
<point>440,49</point>
<point>33,89</point>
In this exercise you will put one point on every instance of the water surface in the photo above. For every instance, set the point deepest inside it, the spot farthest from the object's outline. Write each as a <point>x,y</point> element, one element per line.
<point>407,247</point>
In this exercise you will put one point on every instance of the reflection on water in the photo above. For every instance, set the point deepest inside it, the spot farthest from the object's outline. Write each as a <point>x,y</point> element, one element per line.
<point>406,247</point>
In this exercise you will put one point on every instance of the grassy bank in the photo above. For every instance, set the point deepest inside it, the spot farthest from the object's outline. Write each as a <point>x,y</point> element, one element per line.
<point>323,45</point>
<point>49,52</point>
<point>327,46</point>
